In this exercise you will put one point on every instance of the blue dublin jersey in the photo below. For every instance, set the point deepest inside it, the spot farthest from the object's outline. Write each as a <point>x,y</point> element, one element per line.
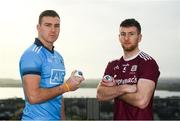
<point>39,60</point>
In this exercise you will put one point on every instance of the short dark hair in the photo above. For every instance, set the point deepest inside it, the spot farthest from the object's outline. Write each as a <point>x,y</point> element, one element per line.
<point>131,22</point>
<point>50,13</point>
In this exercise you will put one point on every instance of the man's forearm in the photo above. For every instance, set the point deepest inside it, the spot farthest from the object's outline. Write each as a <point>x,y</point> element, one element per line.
<point>142,96</point>
<point>43,94</point>
<point>131,98</point>
<point>105,93</point>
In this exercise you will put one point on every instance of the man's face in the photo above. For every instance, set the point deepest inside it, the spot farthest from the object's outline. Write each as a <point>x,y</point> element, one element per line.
<point>129,38</point>
<point>49,29</point>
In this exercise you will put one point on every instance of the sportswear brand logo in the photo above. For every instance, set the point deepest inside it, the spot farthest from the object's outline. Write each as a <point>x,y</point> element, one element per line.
<point>116,67</point>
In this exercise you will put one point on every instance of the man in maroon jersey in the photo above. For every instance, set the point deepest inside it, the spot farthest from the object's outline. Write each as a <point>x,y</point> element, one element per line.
<point>134,77</point>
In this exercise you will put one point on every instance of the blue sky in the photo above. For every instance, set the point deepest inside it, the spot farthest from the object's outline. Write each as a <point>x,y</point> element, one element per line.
<point>89,32</point>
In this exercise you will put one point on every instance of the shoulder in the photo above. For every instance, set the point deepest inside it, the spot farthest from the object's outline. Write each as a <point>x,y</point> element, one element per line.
<point>114,64</point>
<point>58,55</point>
<point>146,58</point>
<point>148,68</point>
<point>115,61</point>
<point>33,52</point>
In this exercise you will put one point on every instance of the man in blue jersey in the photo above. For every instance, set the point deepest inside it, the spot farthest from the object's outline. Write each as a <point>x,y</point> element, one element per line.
<point>42,72</point>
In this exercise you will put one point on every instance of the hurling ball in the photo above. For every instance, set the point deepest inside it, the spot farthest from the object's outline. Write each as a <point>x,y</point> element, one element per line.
<point>108,78</point>
<point>78,73</point>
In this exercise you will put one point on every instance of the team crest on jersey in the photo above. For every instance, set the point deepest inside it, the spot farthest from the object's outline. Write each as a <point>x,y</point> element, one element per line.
<point>134,68</point>
<point>57,76</point>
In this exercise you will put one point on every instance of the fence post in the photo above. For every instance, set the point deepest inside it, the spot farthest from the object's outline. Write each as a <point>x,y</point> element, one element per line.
<point>92,109</point>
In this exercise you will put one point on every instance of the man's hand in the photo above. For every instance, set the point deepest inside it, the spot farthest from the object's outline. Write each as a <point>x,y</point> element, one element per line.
<point>73,82</point>
<point>109,81</point>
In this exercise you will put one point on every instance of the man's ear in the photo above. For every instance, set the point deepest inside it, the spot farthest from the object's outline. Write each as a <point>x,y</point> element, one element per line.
<point>140,37</point>
<point>37,27</point>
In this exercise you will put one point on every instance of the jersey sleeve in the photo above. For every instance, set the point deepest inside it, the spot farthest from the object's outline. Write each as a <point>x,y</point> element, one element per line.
<point>30,63</point>
<point>109,69</point>
<point>149,70</point>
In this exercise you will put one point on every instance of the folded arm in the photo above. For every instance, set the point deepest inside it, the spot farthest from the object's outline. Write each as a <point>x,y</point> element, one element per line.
<point>36,94</point>
<point>140,98</point>
<point>106,93</point>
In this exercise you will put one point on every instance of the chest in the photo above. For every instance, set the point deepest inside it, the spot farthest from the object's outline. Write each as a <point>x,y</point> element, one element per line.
<point>53,71</point>
<point>126,73</point>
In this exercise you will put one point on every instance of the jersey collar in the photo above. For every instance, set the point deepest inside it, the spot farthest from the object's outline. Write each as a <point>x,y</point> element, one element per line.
<point>39,43</point>
<point>131,58</point>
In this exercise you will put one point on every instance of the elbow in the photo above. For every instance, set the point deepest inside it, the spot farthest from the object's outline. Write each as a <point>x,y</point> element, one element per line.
<point>99,97</point>
<point>142,103</point>
<point>33,97</point>
<point>31,100</point>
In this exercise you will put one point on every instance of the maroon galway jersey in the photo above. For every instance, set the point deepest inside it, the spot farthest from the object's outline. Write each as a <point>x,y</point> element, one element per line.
<point>129,72</point>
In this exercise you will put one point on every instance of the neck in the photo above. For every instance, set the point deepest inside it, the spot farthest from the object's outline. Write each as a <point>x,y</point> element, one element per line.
<point>46,43</point>
<point>130,54</point>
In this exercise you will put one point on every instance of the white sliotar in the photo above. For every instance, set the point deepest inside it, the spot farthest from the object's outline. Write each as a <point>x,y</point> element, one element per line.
<point>108,77</point>
<point>78,73</point>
